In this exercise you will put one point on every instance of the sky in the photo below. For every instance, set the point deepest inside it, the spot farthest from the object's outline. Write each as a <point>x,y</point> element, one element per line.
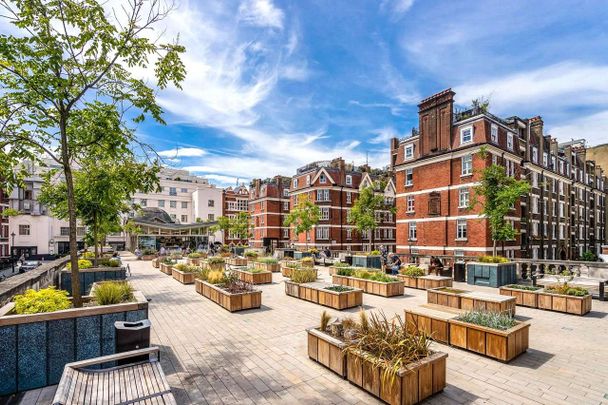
<point>275,84</point>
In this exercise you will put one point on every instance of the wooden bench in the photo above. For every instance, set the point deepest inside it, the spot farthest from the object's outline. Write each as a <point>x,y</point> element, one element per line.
<point>141,382</point>
<point>434,322</point>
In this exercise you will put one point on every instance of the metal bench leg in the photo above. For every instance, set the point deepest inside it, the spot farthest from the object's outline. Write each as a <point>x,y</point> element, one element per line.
<point>602,294</point>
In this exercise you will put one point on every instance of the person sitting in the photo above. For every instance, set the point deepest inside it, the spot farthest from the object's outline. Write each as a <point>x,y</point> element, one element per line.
<point>395,264</point>
<point>137,254</point>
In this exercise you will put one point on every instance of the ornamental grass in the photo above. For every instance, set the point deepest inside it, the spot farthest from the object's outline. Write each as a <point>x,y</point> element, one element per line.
<point>304,276</point>
<point>489,319</point>
<point>112,292</point>
<point>412,271</point>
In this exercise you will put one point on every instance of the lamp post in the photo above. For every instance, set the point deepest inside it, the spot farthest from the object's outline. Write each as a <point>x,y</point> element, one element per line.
<point>12,249</point>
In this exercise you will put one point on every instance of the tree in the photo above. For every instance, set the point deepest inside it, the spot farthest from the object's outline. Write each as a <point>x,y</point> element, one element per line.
<point>10,212</point>
<point>102,190</point>
<point>223,224</point>
<point>133,231</point>
<point>303,216</point>
<point>240,225</point>
<point>498,193</point>
<point>363,211</point>
<point>68,82</point>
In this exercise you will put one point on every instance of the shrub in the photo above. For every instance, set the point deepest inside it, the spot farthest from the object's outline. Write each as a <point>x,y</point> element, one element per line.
<point>175,256</point>
<point>216,277</point>
<point>338,288</point>
<point>373,275</point>
<point>235,286</point>
<point>588,256</point>
<point>252,254</point>
<point>345,272</point>
<point>489,319</point>
<point>44,300</point>
<point>388,342</point>
<point>167,260</point>
<point>313,250</point>
<point>108,263</point>
<point>202,274</point>
<point>340,264</point>
<point>523,287</point>
<point>412,271</point>
<point>112,292</point>
<point>82,264</point>
<point>267,260</point>
<point>186,268</point>
<point>307,261</point>
<point>492,259</point>
<point>374,253</point>
<point>567,289</point>
<point>148,252</point>
<point>304,276</point>
<point>195,255</point>
<point>254,270</point>
<point>88,255</point>
<point>216,260</point>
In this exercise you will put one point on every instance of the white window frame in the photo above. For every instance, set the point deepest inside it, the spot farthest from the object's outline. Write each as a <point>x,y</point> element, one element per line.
<point>324,214</point>
<point>461,229</point>
<point>462,192</point>
<point>295,183</point>
<point>349,180</point>
<point>410,204</point>
<point>322,178</point>
<point>409,152</point>
<point>534,154</point>
<point>468,159</point>
<point>409,182</point>
<point>462,134</point>
<point>494,133</point>
<point>412,231</point>
<point>349,233</point>
<point>349,197</point>
<point>510,140</point>
<point>308,180</point>
<point>324,193</point>
<point>322,232</point>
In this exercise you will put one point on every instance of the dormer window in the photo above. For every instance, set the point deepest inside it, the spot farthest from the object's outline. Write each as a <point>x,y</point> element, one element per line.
<point>466,135</point>
<point>545,159</point>
<point>308,180</point>
<point>322,179</point>
<point>510,141</point>
<point>295,183</point>
<point>494,133</point>
<point>349,180</point>
<point>534,154</point>
<point>409,152</point>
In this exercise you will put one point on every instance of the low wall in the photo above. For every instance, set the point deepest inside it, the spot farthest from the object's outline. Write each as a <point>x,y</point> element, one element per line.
<point>41,277</point>
<point>90,276</point>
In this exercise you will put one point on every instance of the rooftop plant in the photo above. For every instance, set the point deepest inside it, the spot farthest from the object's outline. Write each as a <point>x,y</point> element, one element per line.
<point>307,260</point>
<point>412,271</point>
<point>324,321</point>
<point>489,319</point>
<point>374,276</point>
<point>201,274</point>
<point>216,260</point>
<point>254,270</point>
<point>109,262</point>
<point>186,268</point>
<point>345,271</point>
<point>340,264</point>
<point>251,254</point>
<point>216,277</point>
<point>195,255</point>
<point>523,287</point>
<point>43,300</point>
<point>268,260</point>
<point>338,288</point>
<point>452,290</point>
<point>82,264</point>
<point>167,260</point>
<point>88,255</point>
<point>566,289</point>
<point>492,259</point>
<point>148,252</point>
<point>304,276</point>
<point>313,250</point>
<point>112,292</point>
<point>235,286</point>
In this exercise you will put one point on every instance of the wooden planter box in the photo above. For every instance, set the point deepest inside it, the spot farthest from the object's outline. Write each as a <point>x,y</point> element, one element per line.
<point>316,292</point>
<point>254,278</point>
<point>327,350</point>
<point>182,276</point>
<point>433,323</point>
<point>216,266</point>
<point>272,267</point>
<point>288,271</point>
<point>36,347</point>
<point>425,282</point>
<point>195,261</point>
<point>498,344</point>
<point>148,257</point>
<point>371,262</point>
<point>564,303</point>
<point>371,287</point>
<point>488,302</point>
<point>236,261</point>
<point>444,298</point>
<point>333,270</point>
<point>89,276</point>
<point>155,263</point>
<point>166,268</point>
<point>412,384</point>
<point>526,298</point>
<point>491,274</point>
<point>231,302</point>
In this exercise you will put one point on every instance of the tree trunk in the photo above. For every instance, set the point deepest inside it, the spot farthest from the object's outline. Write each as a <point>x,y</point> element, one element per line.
<point>494,247</point>
<point>69,181</point>
<point>95,237</point>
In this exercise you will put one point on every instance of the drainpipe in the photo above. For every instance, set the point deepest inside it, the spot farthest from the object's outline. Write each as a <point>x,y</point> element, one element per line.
<point>341,206</point>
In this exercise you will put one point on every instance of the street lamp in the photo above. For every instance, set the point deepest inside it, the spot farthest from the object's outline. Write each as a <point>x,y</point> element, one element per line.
<point>12,249</point>
<point>52,247</point>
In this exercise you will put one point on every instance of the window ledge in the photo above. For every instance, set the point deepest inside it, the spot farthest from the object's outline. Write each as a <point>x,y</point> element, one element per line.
<point>466,175</point>
<point>461,239</point>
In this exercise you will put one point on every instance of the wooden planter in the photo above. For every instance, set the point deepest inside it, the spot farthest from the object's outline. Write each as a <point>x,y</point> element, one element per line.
<point>236,261</point>
<point>333,270</point>
<point>564,303</point>
<point>148,257</point>
<point>327,350</point>
<point>316,292</point>
<point>166,268</point>
<point>288,271</point>
<point>272,267</point>
<point>433,323</point>
<point>498,344</point>
<point>231,302</point>
<point>254,278</point>
<point>216,266</point>
<point>412,384</point>
<point>155,263</point>
<point>526,298</point>
<point>195,261</point>
<point>444,298</point>
<point>488,302</point>
<point>408,281</point>
<point>36,347</point>
<point>391,289</point>
<point>182,276</point>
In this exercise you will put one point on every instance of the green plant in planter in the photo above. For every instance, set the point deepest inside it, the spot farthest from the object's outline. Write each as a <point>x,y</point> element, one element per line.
<point>338,288</point>
<point>216,277</point>
<point>215,260</point>
<point>109,263</point>
<point>307,260</point>
<point>523,287</point>
<point>195,255</point>
<point>347,272</point>
<point>493,259</point>
<point>148,252</point>
<point>412,271</point>
<point>304,276</point>
<point>113,292</point>
<point>186,268</point>
<point>325,318</point>
<point>267,260</point>
<point>374,253</point>
<point>167,260</point>
<point>82,264</point>
<point>313,250</point>
<point>489,319</point>
<point>340,264</point>
<point>43,300</point>
<point>567,289</point>
<point>88,255</point>
<point>202,274</point>
<point>251,254</point>
<point>254,270</point>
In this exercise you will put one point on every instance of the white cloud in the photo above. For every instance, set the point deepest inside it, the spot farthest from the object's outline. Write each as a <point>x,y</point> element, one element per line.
<point>568,84</point>
<point>261,13</point>
<point>226,180</point>
<point>396,7</point>
<point>594,128</point>
<point>383,135</point>
<point>182,152</point>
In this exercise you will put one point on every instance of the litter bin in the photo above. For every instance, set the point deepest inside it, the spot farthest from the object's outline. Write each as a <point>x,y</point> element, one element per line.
<point>460,271</point>
<point>349,260</point>
<point>132,336</point>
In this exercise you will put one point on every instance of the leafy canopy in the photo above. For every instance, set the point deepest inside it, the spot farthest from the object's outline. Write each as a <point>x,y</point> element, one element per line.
<point>303,216</point>
<point>363,211</point>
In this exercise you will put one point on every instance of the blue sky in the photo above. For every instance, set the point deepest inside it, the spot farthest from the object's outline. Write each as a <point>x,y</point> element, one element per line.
<point>273,85</point>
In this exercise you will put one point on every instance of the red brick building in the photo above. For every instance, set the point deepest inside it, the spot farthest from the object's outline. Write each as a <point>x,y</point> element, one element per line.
<point>268,205</point>
<point>334,187</point>
<point>234,200</point>
<point>437,168</point>
<point>4,236</point>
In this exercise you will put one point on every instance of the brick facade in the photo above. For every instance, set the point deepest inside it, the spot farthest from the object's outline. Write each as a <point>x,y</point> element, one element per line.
<point>268,205</point>
<point>334,187</point>
<point>437,168</point>
<point>234,200</point>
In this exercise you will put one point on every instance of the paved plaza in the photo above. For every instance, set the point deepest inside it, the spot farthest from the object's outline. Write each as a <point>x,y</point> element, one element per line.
<point>259,356</point>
